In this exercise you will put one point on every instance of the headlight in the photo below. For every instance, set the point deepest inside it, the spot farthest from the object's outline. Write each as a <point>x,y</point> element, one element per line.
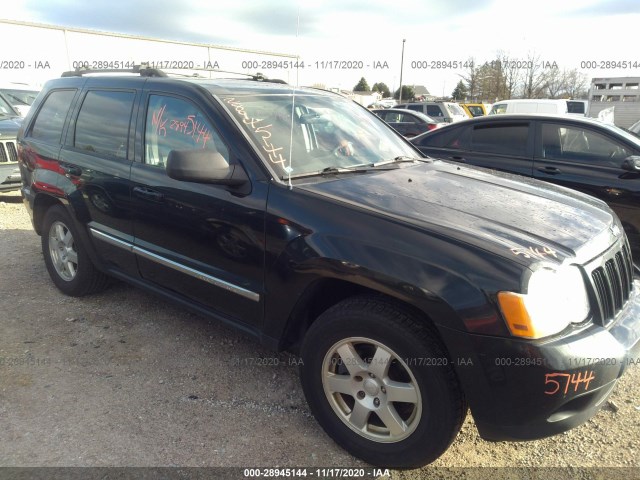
<point>555,298</point>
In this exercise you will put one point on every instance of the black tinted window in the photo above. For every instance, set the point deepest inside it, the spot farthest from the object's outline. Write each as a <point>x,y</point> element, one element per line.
<point>575,107</point>
<point>94,133</point>
<point>434,111</point>
<point>509,139</point>
<point>417,108</point>
<point>448,137</point>
<point>50,120</point>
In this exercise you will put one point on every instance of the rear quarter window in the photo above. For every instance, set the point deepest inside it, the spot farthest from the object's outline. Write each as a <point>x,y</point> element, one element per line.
<point>49,122</point>
<point>448,137</point>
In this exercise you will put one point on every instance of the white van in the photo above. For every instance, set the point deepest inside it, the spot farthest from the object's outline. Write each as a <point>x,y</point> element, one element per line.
<point>533,105</point>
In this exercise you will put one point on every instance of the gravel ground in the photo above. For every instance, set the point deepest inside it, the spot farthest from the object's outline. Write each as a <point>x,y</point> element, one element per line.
<point>124,379</point>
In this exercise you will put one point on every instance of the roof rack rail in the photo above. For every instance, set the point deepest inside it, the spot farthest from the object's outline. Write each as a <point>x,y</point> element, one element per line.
<point>143,70</point>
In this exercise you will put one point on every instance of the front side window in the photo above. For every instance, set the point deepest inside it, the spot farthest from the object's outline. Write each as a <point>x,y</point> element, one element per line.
<point>509,139</point>
<point>176,124</point>
<point>48,124</point>
<point>499,108</point>
<point>581,145</point>
<point>103,123</point>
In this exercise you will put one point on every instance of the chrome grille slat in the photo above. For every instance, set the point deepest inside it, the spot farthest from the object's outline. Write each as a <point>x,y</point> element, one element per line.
<point>8,152</point>
<point>612,281</point>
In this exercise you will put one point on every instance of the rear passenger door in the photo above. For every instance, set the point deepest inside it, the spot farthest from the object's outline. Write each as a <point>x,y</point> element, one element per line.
<point>96,161</point>
<point>203,242</point>
<point>504,146</point>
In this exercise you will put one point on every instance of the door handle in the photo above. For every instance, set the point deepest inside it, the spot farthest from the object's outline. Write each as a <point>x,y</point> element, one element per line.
<point>550,170</point>
<point>458,158</point>
<point>148,194</point>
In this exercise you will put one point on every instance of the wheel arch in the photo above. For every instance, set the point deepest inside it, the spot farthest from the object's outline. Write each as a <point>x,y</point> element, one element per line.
<point>327,292</point>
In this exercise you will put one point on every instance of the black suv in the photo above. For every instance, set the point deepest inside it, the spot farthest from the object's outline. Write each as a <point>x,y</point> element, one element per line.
<point>411,288</point>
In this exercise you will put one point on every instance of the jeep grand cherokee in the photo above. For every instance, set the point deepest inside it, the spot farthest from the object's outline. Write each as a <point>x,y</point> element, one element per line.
<point>411,288</point>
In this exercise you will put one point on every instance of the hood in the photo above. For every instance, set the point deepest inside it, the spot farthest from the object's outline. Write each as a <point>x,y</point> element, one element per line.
<point>526,219</point>
<point>9,127</point>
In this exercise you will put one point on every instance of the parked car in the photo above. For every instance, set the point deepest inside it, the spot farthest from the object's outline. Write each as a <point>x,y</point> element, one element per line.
<point>530,105</point>
<point>474,109</point>
<point>576,152</point>
<point>10,122</point>
<point>19,96</point>
<point>446,112</point>
<point>408,123</point>
<point>409,287</point>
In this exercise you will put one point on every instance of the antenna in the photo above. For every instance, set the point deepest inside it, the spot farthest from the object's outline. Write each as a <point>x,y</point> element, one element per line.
<point>293,100</point>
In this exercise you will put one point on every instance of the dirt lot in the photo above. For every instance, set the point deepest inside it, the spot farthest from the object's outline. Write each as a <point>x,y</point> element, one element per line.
<point>125,379</point>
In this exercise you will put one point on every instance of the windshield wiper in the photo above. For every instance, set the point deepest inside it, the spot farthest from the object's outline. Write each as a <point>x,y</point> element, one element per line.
<point>367,167</point>
<point>363,168</point>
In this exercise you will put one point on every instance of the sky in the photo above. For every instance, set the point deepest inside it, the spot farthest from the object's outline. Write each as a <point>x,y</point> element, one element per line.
<point>342,41</point>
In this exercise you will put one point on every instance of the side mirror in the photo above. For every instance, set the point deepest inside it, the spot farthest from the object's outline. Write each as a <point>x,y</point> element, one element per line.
<point>203,166</point>
<point>631,163</point>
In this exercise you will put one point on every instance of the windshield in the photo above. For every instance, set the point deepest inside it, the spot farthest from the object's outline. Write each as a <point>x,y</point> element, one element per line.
<point>20,97</point>
<point>5,108</point>
<point>329,132</point>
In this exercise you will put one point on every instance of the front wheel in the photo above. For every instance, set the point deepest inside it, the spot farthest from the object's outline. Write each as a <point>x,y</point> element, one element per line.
<point>379,382</point>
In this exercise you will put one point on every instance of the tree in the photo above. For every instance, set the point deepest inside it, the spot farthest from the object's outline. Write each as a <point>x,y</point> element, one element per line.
<point>407,93</point>
<point>460,92</point>
<point>555,83</point>
<point>362,86</point>
<point>535,78</point>
<point>382,88</point>
<point>576,85</point>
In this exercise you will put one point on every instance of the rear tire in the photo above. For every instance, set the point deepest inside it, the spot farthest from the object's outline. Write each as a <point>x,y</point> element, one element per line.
<point>67,261</point>
<point>380,383</point>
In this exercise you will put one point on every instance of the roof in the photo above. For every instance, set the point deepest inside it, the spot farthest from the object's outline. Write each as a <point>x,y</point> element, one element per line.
<point>218,86</point>
<point>420,90</point>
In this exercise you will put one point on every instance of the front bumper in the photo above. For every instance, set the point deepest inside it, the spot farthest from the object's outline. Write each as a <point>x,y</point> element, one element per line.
<point>524,390</point>
<point>9,177</point>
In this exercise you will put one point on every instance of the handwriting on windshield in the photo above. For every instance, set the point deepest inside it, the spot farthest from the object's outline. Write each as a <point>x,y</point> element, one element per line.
<point>264,131</point>
<point>535,252</point>
<point>188,126</point>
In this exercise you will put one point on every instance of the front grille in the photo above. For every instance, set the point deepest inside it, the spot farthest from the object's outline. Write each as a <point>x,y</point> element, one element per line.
<point>8,152</point>
<point>612,282</point>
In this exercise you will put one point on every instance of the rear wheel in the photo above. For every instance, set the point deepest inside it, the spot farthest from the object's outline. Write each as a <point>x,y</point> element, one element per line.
<point>68,264</point>
<point>380,384</point>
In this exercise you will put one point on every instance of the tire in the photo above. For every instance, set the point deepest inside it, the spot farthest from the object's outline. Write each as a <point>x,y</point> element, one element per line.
<point>67,261</point>
<point>360,359</point>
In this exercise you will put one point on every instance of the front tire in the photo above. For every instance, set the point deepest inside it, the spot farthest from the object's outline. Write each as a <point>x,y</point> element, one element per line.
<point>379,382</point>
<point>67,262</point>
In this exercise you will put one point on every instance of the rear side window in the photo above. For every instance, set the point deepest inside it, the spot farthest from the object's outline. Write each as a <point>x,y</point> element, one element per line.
<point>434,111</point>
<point>94,134</point>
<point>49,122</point>
<point>510,139</point>
<point>417,108</point>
